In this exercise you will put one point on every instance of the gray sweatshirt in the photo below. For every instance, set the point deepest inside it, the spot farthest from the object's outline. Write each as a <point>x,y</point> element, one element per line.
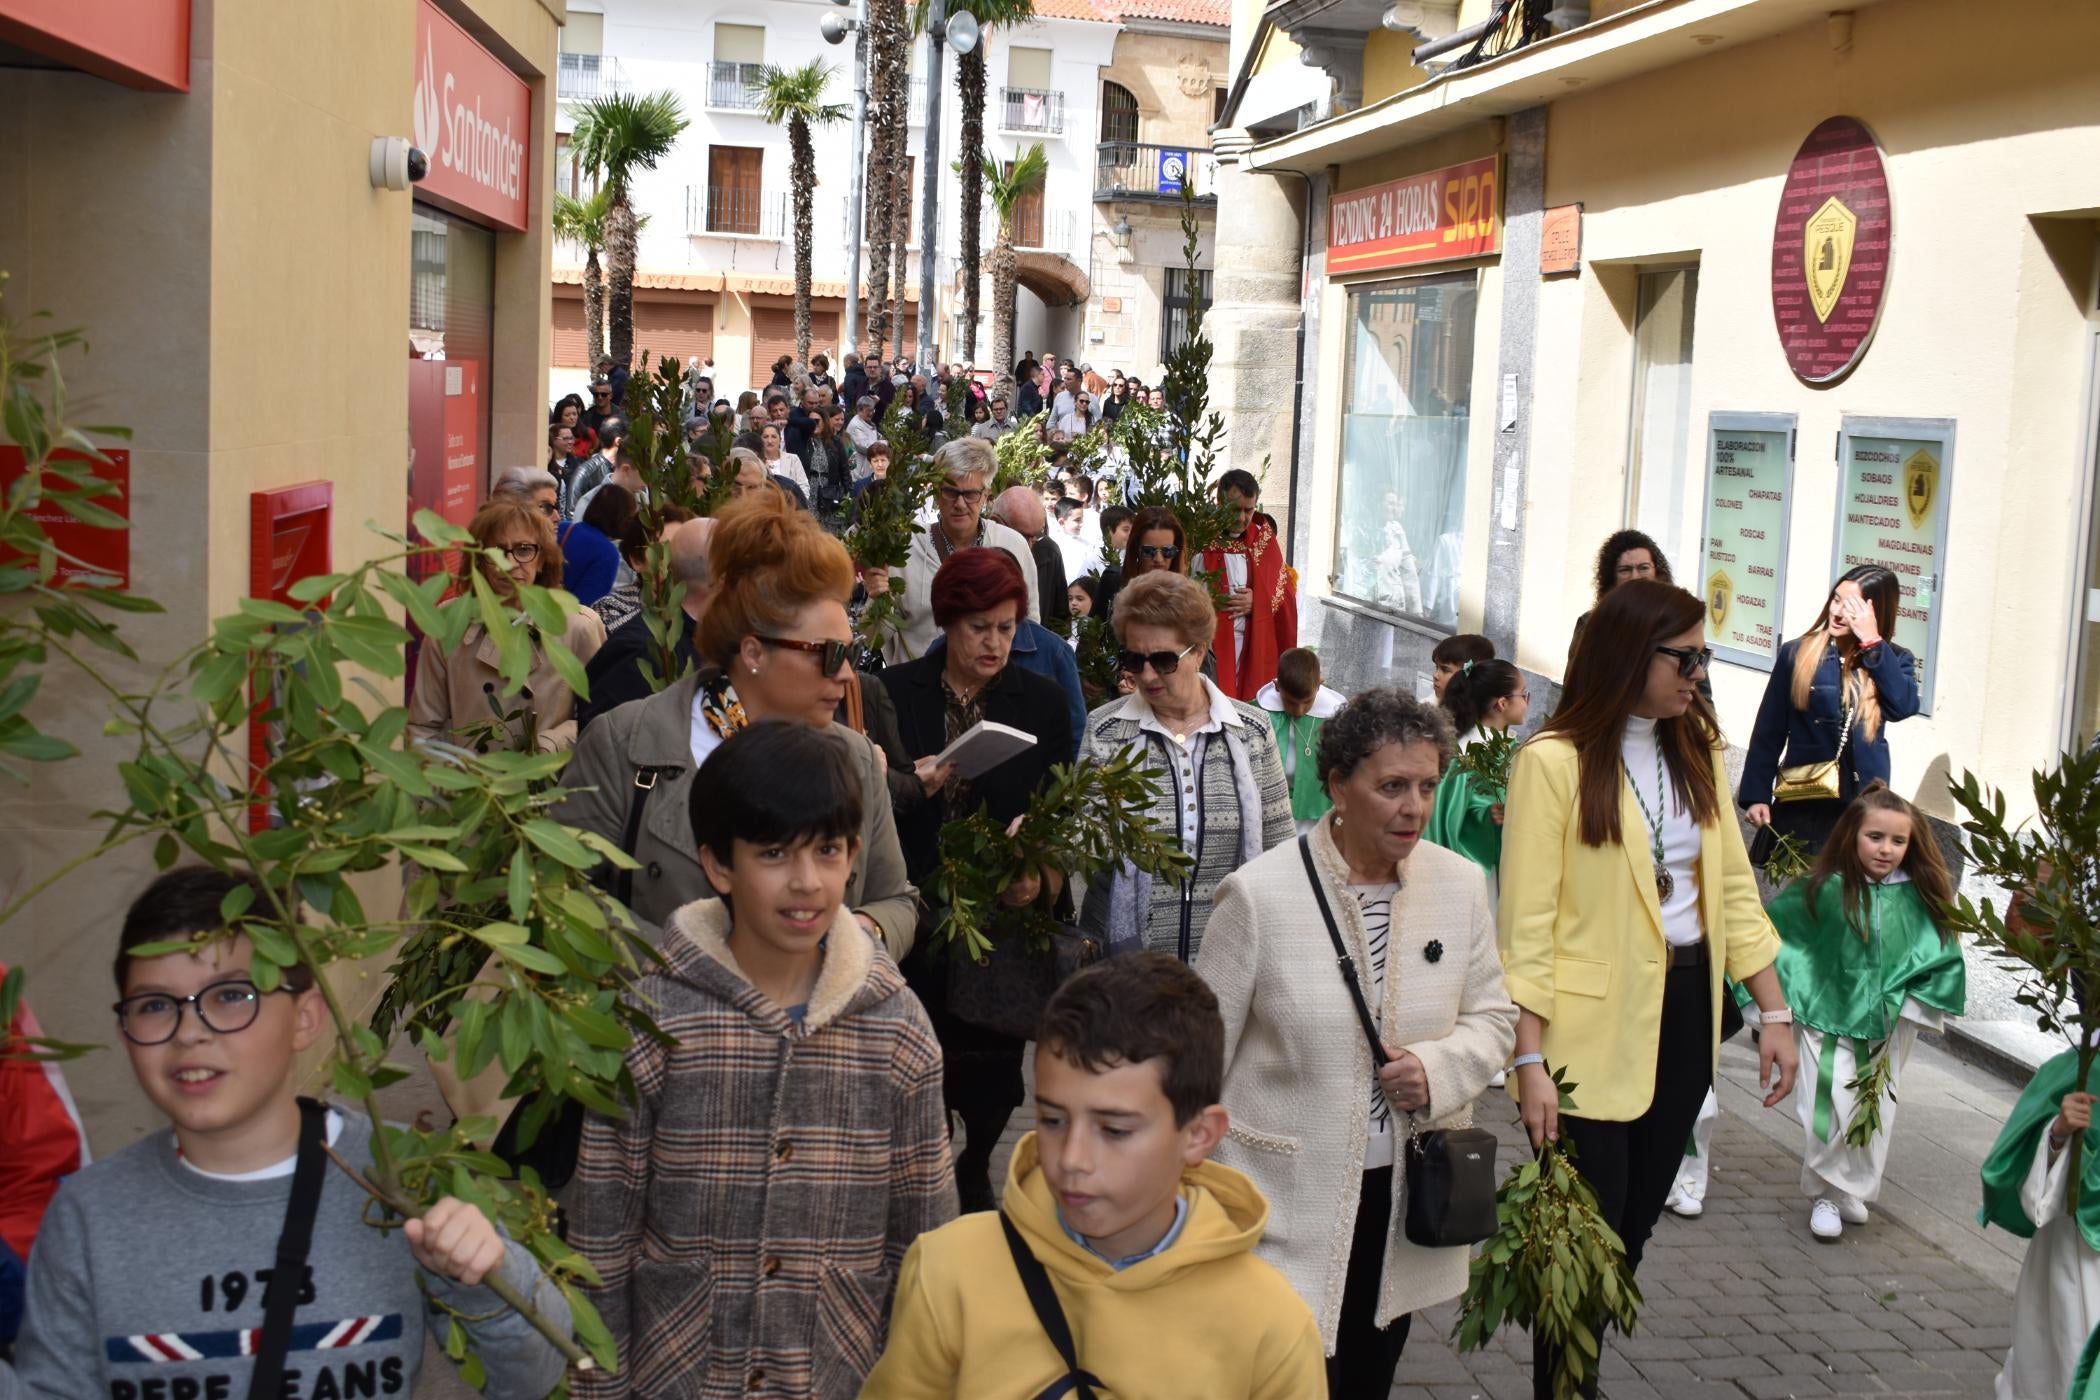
<point>147,1283</point>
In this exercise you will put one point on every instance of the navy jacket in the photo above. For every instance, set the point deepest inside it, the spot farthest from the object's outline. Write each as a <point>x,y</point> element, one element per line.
<point>1787,737</point>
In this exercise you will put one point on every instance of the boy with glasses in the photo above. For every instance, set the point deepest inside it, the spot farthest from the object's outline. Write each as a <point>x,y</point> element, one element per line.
<point>154,1268</point>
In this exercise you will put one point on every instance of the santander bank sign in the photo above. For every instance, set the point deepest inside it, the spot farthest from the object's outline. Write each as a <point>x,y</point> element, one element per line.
<point>473,119</point>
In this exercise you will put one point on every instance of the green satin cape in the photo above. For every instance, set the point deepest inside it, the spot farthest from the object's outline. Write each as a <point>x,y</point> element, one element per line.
<point>2012,1155</point>
<point>1846,985</point>
<point>1309,799</point>
<point>1459,821</point>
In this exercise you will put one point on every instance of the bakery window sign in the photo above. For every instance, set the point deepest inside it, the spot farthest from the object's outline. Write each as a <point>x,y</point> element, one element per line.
<point>1895,479</point>
<point>1742,575</point>
<point>1830,251</point>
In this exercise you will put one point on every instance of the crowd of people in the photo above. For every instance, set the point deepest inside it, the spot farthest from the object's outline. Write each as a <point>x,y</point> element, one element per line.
<point>1367,937</point>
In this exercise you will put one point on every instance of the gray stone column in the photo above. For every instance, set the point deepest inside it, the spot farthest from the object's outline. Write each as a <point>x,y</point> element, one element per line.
<point>1523,202</point>
<point>1253,319</point>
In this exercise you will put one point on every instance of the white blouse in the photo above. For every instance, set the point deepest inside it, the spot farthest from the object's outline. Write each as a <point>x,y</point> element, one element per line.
<point>1682,924</point>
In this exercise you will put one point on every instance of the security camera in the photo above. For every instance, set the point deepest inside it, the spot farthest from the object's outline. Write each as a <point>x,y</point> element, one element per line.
<point>395,164</point>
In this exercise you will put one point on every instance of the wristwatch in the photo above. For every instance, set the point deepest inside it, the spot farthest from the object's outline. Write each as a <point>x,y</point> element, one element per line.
<point>1780,1016</point>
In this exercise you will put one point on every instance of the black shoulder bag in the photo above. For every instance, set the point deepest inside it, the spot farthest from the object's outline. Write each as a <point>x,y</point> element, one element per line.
<point>1450,1171</point>
<point>1043,1298</point>
<point>266,1382</point>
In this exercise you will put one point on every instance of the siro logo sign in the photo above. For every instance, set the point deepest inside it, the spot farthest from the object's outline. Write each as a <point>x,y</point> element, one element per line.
<point>472,117</point>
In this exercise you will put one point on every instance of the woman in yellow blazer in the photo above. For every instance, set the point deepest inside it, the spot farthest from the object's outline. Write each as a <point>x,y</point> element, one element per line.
<point>1626,892</point>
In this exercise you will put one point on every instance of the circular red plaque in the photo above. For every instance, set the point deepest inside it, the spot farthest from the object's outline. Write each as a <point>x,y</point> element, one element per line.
<point>1830,251</point>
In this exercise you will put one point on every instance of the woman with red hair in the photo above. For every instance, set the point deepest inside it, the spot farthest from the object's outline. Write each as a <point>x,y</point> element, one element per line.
<point>980,601</point>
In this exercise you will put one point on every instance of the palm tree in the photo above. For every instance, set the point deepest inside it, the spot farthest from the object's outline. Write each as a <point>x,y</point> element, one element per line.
<point>795,97</point>
<point>619,135</point>
<point>970,83</point>
<point>889,72</point>
<point>582,221</point>
<point>1008,187</point>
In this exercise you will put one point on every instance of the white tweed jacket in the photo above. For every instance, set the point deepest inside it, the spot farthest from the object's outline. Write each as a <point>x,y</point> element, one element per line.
<point>1297,1067</point>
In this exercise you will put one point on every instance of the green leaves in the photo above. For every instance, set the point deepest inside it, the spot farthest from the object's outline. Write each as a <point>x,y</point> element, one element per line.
<point>1553,1267</point>
<point>1487,762</point>
<point>1086,817</point>
<point>887,518</point>
<point>1874,1080</point>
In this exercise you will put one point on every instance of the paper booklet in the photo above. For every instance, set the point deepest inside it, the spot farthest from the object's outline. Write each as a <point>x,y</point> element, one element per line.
<point>983,747</point>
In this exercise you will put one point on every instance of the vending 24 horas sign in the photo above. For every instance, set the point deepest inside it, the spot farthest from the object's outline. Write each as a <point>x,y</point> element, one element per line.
<point>1437,216</point>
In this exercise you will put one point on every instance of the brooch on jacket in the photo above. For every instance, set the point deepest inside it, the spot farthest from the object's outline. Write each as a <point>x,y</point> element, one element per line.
<point>1433,950</point>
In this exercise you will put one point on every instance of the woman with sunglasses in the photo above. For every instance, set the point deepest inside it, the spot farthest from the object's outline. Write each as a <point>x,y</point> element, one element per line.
<point>1155,542</point>
<point>1217,777</point>
<point>773,643</point>
<point>459,695</point>
<point>966,469</point>
<point>1626,894</point>
<point>1832,694</point>
<point>971,676</point>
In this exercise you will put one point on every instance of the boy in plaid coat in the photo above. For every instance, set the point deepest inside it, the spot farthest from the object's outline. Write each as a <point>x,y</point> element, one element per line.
<point>749,1214</point>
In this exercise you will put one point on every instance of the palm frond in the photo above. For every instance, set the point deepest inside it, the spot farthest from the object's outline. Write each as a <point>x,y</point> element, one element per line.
<point>624,132</point>
<point>1008,187</point>
<point>784,93</point>
<point>583,220</point>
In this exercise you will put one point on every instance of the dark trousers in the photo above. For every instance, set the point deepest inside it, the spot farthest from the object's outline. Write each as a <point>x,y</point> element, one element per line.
<point>1366,1354</point>
<point>1631,1165</point>
<point>980,1076</point>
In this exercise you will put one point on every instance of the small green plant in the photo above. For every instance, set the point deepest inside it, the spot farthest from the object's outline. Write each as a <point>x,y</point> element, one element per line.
<point>1789,860</point>
<point>879,540</point>
<point>1487,762</point>
<point>1085,818</point>
<point>2052,866</point>
<point>1023,456</point>
<point>1554,1267</point>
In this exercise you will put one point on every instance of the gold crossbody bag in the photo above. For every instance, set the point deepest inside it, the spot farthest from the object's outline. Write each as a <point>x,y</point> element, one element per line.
<point>1815,782</point>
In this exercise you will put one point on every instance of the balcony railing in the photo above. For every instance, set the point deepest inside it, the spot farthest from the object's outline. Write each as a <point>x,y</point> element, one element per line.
<point>1048,231</point>
<point>1032,110</point>
<point>729,84</point>
<point>580,76</point>
<point>737,210</point>
<point>1134,170</point>
<point>915,103</point>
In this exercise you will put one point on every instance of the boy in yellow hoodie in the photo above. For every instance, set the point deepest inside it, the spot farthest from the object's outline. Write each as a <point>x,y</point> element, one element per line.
<point>1143,1251</point>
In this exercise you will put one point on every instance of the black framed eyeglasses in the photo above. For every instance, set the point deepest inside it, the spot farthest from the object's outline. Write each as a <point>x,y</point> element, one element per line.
<point>1163,663</point>
<point>1165,553</point>
<point>152,1018</point>
<point>956,496</point>
<point>525,552</point>
<point>830,655</point>
<point>1690,660</point>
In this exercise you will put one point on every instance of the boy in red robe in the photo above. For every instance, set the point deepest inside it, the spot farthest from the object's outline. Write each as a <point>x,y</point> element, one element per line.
<point>1258,621</point>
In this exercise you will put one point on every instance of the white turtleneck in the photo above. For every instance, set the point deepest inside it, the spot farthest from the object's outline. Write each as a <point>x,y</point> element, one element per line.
<point>1682,925</point>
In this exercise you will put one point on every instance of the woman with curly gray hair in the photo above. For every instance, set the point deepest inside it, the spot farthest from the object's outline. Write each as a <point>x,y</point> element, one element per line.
<point>1313,1122</point>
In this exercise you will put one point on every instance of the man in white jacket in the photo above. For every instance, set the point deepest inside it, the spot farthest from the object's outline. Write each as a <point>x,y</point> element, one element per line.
<point>967,465</point>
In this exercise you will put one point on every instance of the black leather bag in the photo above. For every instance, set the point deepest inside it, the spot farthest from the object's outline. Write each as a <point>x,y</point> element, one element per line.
<point>1450,1171</point>
<point>1008,990</point>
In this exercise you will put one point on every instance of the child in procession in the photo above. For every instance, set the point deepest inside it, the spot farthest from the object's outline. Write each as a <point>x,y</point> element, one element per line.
<point>1298,707</point>
<point>1139,1246</point>
<point>1485,699</point>
<point>787,1142</point>
<point>1453,653</point>
<point>1867,961</point>
<point>154,1270</point>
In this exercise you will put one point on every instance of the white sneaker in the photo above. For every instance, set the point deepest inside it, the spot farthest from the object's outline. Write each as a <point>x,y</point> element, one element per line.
<point>1680,1202</point>
<point>1852,1210</point>
<point>1824,1222</point>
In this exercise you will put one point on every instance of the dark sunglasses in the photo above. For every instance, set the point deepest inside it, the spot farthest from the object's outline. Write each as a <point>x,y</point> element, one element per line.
<point>1163,663</point>
<point>1168,552</point>
<point>830,655</point>
<point>1690,660</point>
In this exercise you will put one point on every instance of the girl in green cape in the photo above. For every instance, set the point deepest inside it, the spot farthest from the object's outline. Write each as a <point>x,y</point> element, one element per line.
<point>1484,699</point>
<point>1867,961</point>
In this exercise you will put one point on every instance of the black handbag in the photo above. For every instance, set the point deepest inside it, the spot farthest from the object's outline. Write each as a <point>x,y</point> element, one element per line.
<point>1450,1172</point>
<point>1007,991</point>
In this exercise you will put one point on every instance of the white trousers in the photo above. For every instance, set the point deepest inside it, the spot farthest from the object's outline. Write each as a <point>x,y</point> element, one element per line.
<point>1692,1173</point>
<point>1830,1168</point>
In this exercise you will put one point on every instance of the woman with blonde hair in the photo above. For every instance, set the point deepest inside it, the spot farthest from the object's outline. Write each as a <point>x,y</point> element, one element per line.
<point>1821,732</point>
<point>459,695</point>
<point>773,643</point>
<point>1217,777</point>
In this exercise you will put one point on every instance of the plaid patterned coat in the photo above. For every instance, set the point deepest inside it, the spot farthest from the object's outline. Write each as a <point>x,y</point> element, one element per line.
<point>749,1216</point>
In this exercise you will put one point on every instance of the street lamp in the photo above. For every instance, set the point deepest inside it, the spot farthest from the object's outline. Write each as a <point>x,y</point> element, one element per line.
<point>835,28</point>
<point>961,33</point>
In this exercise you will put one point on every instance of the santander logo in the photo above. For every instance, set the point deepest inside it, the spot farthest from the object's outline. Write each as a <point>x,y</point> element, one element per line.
<point>472,117</point>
